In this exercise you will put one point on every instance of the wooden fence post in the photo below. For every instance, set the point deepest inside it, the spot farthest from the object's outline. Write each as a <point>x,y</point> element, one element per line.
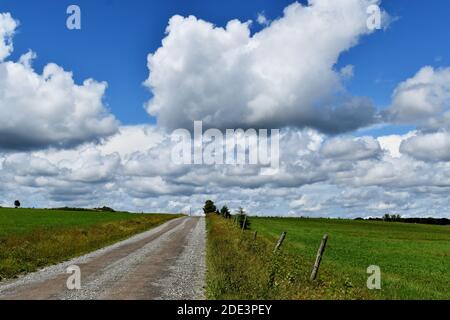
<point>319,258</point>
<point>244,224</point>
<point>280,242</point>
<point>255,235</point>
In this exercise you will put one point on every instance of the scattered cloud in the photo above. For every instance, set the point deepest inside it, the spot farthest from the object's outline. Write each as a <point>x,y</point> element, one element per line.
<point>262,19</point>
<point>347,72</point>
<point>7,28</point>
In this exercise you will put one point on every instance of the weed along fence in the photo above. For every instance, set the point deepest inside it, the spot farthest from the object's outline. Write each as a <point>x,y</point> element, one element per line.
<point>243,223</point>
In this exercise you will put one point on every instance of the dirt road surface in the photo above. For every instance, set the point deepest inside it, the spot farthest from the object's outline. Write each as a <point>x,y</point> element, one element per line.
<point>167,262</point>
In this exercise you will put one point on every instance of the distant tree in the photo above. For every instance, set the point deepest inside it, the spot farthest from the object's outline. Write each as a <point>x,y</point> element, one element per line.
<point>209,207</point>
<point>225,212</point>
<point>241,218</point>
<point>17,204</point>
<point>392,217</point>
<point>104,209</point>
<point>218,212</point>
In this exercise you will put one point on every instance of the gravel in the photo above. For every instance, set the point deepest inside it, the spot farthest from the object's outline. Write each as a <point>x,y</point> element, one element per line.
<point>187,275</point>
<point>184,280</point>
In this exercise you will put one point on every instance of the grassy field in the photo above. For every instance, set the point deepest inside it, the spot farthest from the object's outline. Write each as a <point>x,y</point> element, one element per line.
<point>414,260</point>
<point>31,239</point>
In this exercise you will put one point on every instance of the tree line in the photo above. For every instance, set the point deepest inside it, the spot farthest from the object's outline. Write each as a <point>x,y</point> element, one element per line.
<point>241,217</point>
<point>398,218</point>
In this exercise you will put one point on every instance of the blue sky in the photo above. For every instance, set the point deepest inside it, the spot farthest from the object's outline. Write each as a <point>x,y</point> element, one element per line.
<point>117,36</point>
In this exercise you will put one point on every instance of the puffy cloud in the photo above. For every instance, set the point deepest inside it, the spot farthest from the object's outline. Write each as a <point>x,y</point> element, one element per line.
<point>130,139</point>
<point>423,100</point>
<point>262,19</point>
<point>7,28</point>
<point>93,167</point>
<point>48,109</point>
<point>306,204</point>
<point>347,72</point>
<point>281,76</point>
<point>145,187</point>
<point>348,148</point>
<point>428,147</point>
<point>391,143</point>
<point>24,164</point>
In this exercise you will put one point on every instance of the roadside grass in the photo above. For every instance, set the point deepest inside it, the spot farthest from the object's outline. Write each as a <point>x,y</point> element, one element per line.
<point>414,260</point>
<point>31,239</point>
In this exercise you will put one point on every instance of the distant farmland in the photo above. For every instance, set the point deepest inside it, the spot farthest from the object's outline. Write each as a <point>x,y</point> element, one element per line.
<point>31,239</point>
<point>414,260</point>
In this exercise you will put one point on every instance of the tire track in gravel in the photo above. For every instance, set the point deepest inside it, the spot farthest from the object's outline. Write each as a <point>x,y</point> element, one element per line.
<point>167,262</point>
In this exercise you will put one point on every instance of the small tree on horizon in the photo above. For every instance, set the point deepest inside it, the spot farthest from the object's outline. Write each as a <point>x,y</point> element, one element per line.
<point>241,218</point>
<point>209,207</point>
<point>392,217</point>
<point>17,204</point>
<point>225,212</point>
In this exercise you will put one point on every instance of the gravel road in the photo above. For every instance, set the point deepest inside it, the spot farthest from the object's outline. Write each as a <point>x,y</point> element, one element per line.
<point>167,262</point>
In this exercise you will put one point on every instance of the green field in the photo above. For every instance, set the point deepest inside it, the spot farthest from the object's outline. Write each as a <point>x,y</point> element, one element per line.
<point>414,260</point>
<point>31,239</point>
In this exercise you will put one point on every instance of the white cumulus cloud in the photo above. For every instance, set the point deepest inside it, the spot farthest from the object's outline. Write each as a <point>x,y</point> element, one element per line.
<point>428,147</point>
<point>423,100</point>
<point>281,76</point>
<point>48,109</point>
